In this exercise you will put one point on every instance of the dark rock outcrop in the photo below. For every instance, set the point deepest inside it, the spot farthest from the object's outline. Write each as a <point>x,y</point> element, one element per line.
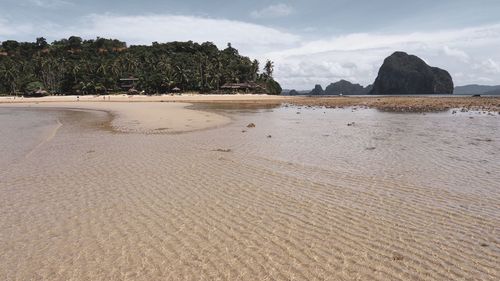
<point>272,86</point>
<point>403,74</point>
<point>294,92</point>
<point>346,88</point>
<point>317,91</point>
<point>368,89</point>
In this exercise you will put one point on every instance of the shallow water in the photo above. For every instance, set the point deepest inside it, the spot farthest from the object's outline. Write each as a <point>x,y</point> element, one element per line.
<point>21,131</point>
<point>302,196</point>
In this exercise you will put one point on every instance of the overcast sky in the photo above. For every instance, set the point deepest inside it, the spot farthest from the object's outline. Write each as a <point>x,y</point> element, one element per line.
<point>311,42</point>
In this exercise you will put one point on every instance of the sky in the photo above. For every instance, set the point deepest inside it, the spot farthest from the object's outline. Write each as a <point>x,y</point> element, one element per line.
<point>311,42</point>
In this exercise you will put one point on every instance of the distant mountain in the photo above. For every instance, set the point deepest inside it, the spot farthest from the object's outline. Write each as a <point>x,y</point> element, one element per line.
<point>293,92</point>
<point>344,87</point>
<point>403,74</point>
<point>494,92</point>
<point>477,90</point>
<point>317,91</point>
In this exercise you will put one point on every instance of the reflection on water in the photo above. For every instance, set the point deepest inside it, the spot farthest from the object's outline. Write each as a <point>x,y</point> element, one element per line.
<point>235,108</point>
<point>307,194</point>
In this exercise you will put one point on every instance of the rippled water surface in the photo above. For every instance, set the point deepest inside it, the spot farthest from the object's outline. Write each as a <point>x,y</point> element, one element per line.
<point>21,131</point>
<point>308,194</point>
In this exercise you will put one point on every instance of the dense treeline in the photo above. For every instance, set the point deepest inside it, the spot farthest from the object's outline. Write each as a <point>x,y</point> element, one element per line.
<point>76,66</point>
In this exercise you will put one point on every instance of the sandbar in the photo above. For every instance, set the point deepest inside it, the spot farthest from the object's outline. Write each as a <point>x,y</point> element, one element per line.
<point>142,117</point>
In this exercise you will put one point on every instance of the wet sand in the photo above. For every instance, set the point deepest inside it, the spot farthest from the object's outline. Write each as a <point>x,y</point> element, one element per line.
<point>408,103</point>
<point>386,103</point>
<point>301,196</point>
<point>143,117</point>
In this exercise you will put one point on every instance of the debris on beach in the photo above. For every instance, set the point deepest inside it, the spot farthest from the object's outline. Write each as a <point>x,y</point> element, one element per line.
<point>397,257</point>
<point>485,140</point>
<point>222,150</point>
<point>251,125</point>
<point>351,124</point>
<point>269,136</point>
<point>371,148</point>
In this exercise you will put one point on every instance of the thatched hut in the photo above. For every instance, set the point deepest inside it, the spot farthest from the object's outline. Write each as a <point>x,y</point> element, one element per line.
<point>38,93</point>
<point>242,87</point>
<point>133,91</point>
<point>128,83</point>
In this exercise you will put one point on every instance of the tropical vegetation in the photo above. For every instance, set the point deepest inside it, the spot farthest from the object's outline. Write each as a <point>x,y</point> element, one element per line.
<point>77,66</point>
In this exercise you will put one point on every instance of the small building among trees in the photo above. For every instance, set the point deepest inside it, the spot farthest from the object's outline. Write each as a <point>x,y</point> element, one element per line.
<point>250,87</point>
<point>127,84</point>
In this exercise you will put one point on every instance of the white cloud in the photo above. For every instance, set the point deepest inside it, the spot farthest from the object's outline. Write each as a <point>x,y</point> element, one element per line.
<point>273,11</point>
<point>489,66</point>
<point>50,3</point>
<point>456,53</point>
<point>358,56</point>
<point>247,37</point>
<point>7,29</point>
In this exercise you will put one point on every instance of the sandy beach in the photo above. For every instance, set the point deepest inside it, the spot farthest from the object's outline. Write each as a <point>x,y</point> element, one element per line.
<point>194,97</point>
<point>309,193</point>
<point>143,117</point>
<point>386,103</point>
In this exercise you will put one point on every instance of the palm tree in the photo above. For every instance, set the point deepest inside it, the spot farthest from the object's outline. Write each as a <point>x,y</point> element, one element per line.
<point>180,77</point>
<point>102,68</point>
<point>269,68</point>
<point>75,70</point>
<point>9,73</point>
<point>255,69</point>
<point>115,68</point>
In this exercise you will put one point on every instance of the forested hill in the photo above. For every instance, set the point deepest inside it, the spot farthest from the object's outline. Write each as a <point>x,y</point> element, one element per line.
<point>73,65</point>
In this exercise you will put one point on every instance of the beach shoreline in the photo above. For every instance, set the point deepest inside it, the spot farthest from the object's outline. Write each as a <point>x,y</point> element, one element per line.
<point>149,118</point>
<point>176,114</point>
<point>384,103</point>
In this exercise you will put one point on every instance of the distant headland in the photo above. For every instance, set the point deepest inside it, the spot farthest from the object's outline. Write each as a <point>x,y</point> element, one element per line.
<point>77,66</point>
<point>402,74</point>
